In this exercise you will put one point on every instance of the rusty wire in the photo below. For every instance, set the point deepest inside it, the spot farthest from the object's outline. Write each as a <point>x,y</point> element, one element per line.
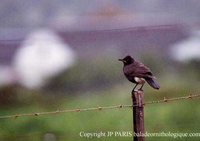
<point>164,100</point>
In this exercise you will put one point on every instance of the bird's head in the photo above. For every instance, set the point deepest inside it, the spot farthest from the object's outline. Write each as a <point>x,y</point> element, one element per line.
<point>127,60</point>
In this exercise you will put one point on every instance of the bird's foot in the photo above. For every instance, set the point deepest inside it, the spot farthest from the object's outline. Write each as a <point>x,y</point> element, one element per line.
<point>134,90</point>
<point>140,89</point>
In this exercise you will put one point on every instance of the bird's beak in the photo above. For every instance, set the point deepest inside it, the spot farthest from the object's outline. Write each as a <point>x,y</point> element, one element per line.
<point>121,60</point>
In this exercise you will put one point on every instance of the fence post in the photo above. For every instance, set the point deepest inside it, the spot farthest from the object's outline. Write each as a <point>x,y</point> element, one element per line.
<point>138,115</point>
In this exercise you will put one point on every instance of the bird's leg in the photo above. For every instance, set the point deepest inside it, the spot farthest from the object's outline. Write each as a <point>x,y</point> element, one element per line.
<point>135,87</point>
<point>141,87</point>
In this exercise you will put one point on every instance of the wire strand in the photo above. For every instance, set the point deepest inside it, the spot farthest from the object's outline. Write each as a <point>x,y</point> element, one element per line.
<point>164,100</point>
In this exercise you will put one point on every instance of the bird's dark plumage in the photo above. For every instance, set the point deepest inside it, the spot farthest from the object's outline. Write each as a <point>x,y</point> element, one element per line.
<point>137,73</point>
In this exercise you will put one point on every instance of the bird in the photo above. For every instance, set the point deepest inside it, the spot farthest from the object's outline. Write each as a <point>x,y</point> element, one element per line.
<point>138,73</point>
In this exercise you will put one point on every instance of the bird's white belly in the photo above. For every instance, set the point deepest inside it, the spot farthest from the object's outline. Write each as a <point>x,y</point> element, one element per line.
<point>139,80</point>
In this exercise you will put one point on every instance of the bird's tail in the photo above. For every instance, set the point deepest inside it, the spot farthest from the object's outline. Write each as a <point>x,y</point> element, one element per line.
<point>152,83</point>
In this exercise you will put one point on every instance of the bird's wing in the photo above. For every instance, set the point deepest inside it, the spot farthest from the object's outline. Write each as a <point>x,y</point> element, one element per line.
<point>139,70</point>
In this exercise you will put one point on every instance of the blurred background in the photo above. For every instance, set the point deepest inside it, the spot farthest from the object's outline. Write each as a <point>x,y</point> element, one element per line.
<point>64,55</point>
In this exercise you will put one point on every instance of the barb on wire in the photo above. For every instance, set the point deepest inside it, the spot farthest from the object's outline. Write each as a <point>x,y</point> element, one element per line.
<point>165,100</point>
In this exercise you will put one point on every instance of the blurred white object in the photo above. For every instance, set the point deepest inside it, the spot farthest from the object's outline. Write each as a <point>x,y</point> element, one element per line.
<point>42,55</point>
<point>188,49</point>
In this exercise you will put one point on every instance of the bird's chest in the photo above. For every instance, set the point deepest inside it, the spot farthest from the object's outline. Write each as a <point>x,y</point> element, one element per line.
<point>129,74</point>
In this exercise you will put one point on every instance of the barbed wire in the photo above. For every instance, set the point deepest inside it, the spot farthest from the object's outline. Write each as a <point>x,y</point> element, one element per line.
<point>164,100</point>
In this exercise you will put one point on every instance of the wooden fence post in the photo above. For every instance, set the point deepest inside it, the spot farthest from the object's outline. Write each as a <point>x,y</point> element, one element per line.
<point>138,115</point>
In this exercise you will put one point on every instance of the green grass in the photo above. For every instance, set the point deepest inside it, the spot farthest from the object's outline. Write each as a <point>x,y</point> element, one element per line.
<point>180,116</point>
